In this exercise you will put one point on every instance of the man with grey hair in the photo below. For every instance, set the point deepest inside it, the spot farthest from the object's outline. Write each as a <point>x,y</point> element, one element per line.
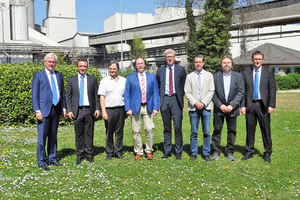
<point>199,90</point>
<point>48,100</point>
<point>170,80</point>
<point>228,95</point>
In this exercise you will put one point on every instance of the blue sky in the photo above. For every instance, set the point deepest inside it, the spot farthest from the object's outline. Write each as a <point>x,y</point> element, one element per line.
<point>91,13</point>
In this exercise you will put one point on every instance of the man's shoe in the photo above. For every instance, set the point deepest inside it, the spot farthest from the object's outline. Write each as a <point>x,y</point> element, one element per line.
<point>267,158</point>
<point>247,156</point>
<point>230,157</point>
<point>137,156</point>
<point>206,158</point>
<point>119,156</point>
<point>108,157</point>
<point>79,160</point>
<point>149,156</point>
<point>90,159</point>
<point>44,167</point>
<point>178,156</point>
<point>167,155</point>
<point>56,164</point>
<point>215,156</point>
<point>193,157</point>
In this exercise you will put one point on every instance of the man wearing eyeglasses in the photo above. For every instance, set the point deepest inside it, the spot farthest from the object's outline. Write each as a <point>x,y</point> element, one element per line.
<point>170,81</point>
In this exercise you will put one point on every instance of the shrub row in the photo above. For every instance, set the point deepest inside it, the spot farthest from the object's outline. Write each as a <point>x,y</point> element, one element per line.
<point>15,91</point>
<point>291,81</point>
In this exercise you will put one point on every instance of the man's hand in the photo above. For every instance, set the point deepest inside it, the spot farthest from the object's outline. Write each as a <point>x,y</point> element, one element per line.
<point>39,116</point>
<point>199,105</point>
<point>97,113</point>
<point>129,113</point>
<point>104,115</point>
<point>223,108</point>
<point>64,115</point>
<point>154,112</point>
<point>243,111</point>
<point>70,115</point>
<point>270,110</point>
<point>229,109</point>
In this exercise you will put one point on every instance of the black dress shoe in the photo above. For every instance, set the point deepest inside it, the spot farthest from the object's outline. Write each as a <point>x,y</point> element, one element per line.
<point>193,157</point>
<point>108,157</point>
<point>79,160</point>
<point>90,159</point>
<point>119,156</point>
<point>44,167</point>
<point>267,158</point>
<point>56,164</point>
<point>206,158</point>
<point>167,155</point>
<point>178,156</point>
<point>247,156</point>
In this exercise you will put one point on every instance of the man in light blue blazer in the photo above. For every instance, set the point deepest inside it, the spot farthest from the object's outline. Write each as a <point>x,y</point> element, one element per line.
<point>141,99</point>
<point>48,101</point>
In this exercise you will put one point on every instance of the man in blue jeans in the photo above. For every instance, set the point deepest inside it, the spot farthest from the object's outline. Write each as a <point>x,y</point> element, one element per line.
<point>199,90</point>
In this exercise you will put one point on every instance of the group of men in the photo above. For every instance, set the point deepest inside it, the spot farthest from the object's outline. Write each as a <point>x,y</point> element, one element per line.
<point>140,97</point>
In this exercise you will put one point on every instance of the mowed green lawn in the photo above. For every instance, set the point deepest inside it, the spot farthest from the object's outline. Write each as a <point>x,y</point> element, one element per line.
<point>20,178</point>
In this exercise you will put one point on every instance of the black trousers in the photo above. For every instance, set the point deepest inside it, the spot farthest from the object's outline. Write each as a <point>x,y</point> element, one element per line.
<point>258,113</point>
<point>84,133</point>
<point>218,122</point>
<point>114,124</point>
<point>170,109</point>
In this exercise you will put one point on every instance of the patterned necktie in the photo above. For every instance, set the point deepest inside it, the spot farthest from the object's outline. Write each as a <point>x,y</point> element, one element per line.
<point>170,81</point>
<point>54,92</point>
<point>255,90</point>
<point>199,83</point>
<point>143,88</point>
<point>81,91</point>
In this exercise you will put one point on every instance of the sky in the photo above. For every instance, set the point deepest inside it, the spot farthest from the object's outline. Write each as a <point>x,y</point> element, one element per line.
<point>91,13</point>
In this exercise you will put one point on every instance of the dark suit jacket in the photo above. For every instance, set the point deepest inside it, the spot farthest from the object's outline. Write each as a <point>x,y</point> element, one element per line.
<point>267,88</point>
<point>236,93</point>
<point>133,93</point>
<point>179,79</point>
<point>42,92</point>
<point>73,94</point>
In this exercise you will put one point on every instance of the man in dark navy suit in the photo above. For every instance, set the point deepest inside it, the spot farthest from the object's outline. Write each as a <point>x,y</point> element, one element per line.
<point>258,103</point>
<point>48,99</point>
<point>170,81</point>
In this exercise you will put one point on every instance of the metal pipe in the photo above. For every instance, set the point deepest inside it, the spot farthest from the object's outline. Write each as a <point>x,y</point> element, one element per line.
<point>2,5</point>
<point>121,38</point>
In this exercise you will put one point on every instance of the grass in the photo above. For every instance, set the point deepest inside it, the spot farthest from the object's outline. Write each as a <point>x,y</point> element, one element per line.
<point>20,178</point>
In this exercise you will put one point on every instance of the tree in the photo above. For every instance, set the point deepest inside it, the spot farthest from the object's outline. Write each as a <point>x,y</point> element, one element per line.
<point>61,59</point>
<point>213,35</point>
<point>138,48</point>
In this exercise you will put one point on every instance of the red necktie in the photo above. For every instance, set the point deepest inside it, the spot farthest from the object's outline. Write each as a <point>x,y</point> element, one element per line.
<point>170,82</point>
<point>143,89</point>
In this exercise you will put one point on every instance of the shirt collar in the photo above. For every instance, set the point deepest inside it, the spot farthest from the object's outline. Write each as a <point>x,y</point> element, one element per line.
<point>201,72</point>
<point>47,71</point>
<point>144,73</point>
<point>257,69</point>
<point>79,75</point>
<point>227,74</point>
<point>172,67</point>
<point>111,78</point>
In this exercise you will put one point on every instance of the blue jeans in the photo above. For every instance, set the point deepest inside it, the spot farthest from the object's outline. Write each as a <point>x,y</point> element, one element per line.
<point>205,120</point>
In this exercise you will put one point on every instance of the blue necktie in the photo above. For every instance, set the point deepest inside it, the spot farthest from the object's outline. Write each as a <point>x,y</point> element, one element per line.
<point>199,83</point>
<point>81,91</point>
<point>54,92</point>
<point>255,91</point>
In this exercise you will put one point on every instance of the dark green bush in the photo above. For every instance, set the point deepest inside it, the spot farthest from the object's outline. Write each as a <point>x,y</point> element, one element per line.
<point>291,81</point>
<point>125,72</point>
<point>15,91</point>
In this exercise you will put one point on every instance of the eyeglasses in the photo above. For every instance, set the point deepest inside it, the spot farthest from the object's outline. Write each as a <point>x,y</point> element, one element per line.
<point>170,56</point>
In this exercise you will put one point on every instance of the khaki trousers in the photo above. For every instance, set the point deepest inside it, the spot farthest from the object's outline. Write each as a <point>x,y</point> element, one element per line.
<point>136,123</point>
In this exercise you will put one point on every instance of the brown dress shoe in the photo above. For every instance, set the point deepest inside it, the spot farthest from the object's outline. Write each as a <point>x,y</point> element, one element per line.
<point>137,156</point>
<point>149,156</point>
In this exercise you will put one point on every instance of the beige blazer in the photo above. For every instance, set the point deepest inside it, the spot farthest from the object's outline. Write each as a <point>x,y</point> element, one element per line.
<point>192,90</point>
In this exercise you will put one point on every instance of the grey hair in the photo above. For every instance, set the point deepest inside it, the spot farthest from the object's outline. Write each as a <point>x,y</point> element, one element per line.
<point>169,51</point>
<point>49,55</point>
<point>199,56</point>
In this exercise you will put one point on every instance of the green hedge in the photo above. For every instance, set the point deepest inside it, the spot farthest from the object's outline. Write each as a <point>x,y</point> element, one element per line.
<point>289,82</point>
<point>15,91</point>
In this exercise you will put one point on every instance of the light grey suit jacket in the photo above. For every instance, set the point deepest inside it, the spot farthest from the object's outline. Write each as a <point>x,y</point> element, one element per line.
<point>192,90</point>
